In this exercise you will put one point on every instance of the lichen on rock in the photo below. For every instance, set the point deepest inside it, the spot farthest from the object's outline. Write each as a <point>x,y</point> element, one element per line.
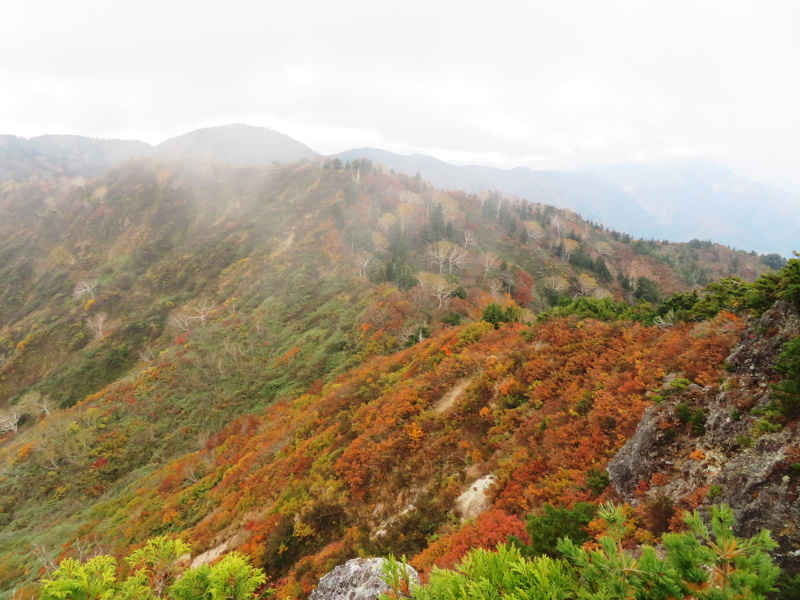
<point>358,579</point>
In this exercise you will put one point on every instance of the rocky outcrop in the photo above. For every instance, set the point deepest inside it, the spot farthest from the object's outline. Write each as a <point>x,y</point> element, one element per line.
<point>358,579</point>
<point>476,499</point>
<point>702,446</point>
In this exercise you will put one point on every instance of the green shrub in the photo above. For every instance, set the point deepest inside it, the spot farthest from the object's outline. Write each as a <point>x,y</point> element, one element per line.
<point>787,392</point>
<point>552,524</point>
<point>702,563</point>
<point>694,417</point>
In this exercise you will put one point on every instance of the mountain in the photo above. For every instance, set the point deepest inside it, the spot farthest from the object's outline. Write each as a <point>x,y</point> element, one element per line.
<point>678,201</point>
<point>51,157</point>
<point>699,199</point>
<point>307,362</point>
<point>591,196</point>
<point>237,145</point>
<point>54,156</point>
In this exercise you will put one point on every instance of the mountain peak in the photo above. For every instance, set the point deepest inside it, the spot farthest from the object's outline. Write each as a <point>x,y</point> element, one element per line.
<point>237,144</point>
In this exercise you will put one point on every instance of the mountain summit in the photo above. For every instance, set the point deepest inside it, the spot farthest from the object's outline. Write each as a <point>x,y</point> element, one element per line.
<point>238,145</point>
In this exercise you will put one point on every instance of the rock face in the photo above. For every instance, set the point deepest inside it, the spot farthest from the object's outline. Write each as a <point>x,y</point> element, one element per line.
<point>357,579</point>
<point>736,456</point>
<point>476,499</point>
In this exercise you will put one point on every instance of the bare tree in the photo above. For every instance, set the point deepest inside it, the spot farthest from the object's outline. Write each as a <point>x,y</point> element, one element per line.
<point>470,239</point>
<point>202,309</point>
<point>98,324</point>
<point>409,197</point>
<point>665,322</point>
<point>234,350</point>
<point>559,226</point>
<point>557,284</point>
<point>489,260</point>
<point>495,285</point>
<point>36,401</point>
<point>85,287</point>
<point>48,564</point>
<point>147,353</point>
<point>456,257</point>
<point>437,254</point>
<point>363,261</point>
<point>586,284</point>
<point>9,420</point>
<point>439,286</point>
<point>180,320</point>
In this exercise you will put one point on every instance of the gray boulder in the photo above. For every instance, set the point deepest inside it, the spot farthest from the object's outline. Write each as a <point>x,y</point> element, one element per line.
<point>357,579</point>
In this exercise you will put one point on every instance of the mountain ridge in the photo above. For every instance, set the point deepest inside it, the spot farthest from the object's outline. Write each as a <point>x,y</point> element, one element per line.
<point>677,200</point>
<point>635,197</point>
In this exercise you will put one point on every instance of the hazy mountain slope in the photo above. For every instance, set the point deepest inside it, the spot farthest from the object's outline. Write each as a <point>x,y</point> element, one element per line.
<point>699,199</point>
<point>237,145</point>
<point>676,201</point>
<point>50,157</point>
<point>593,197</point>
<point>53,156</point>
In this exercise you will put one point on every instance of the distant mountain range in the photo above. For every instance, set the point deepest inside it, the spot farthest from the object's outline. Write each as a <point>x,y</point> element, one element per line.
<point>700,199</point>
<point>676,201</point>
<point>52,156</point>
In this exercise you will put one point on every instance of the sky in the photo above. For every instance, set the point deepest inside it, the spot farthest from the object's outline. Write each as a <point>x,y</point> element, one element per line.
<point>558,84</point>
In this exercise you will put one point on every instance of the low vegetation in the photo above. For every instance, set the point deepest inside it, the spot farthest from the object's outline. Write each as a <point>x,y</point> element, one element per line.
<point>252,360</point>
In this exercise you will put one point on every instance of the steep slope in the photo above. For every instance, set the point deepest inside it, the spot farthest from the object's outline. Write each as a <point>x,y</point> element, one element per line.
<point>729,442</point>
<point>678,201</point>
<point>169,330</point>
<point>593,197</point>
<point>366,463</point>
<point>237,145</point>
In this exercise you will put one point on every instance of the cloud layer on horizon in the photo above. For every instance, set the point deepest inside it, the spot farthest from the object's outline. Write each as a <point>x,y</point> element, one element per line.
<point>550,85</point>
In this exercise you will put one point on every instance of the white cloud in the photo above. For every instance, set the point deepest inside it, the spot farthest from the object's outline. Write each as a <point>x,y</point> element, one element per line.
<point>566,82</point>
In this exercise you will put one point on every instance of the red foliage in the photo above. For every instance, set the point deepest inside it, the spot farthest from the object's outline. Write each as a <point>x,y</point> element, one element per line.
<point>523,288</point>
<point>538,407</point>
<point>489,529</point>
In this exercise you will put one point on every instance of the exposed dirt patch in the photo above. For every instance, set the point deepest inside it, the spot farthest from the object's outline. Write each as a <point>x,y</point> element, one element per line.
<point>446,402</point>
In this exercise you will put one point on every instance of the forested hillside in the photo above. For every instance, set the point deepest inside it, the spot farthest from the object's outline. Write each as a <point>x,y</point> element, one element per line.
<point>313,361</point>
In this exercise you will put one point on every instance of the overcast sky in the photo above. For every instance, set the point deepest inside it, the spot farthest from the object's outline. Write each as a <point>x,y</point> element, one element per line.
<point>554,84</point>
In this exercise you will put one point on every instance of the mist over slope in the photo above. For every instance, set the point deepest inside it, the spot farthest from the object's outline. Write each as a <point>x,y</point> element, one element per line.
<point>678,201</point>
<point>593,197</point>
<point>49,157</point>
<point>54,156</point>
<point>237,145</point>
